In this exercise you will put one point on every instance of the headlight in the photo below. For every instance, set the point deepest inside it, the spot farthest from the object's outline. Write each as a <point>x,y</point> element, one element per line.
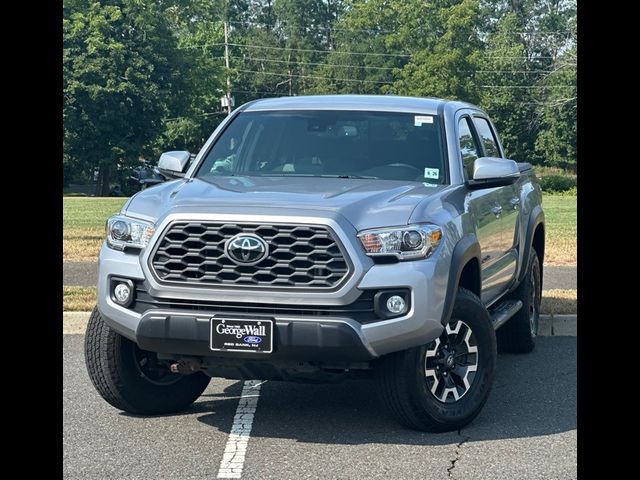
<point>124,232</point>
<point>405,243</point>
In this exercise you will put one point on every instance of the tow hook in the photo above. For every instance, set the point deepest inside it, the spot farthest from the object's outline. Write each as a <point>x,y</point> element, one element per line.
<point>186,365</point>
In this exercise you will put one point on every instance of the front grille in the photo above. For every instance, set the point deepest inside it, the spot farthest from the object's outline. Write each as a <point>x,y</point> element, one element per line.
<point>300,256</point>
<point>362,309</point>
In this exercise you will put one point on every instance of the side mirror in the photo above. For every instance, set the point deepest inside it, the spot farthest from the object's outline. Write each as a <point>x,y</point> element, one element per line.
<point>491,172</point>
<point>173,164</point>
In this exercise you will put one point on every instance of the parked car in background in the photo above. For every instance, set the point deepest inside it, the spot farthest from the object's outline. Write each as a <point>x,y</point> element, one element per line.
<point>144,176</point>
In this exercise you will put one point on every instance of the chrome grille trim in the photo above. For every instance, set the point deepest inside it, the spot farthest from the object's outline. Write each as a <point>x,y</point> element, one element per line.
<point>301,256</point>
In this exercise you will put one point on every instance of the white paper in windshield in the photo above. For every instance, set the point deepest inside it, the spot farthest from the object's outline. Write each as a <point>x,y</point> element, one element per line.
<point>418,120</point>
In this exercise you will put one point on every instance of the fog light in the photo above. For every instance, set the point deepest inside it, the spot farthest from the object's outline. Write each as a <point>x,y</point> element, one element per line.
<point>122,292</point>
<point>396,304</point>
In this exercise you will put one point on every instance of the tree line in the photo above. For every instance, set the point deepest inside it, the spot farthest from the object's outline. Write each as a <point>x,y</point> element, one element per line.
<point>140,77</point>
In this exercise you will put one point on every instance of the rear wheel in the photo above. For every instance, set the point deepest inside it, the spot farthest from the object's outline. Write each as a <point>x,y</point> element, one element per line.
<point>443,385</point>
<point>131,379</point>
<point>519,334</point>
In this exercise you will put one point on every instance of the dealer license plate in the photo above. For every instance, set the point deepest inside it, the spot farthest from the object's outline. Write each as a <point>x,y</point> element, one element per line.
<point>239,335</point>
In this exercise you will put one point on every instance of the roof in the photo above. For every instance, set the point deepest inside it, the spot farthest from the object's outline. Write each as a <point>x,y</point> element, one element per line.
<point>389,103</point>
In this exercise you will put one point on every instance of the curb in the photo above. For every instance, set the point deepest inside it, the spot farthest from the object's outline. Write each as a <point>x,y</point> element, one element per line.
<point>565,325</point>
<point>75,323</point>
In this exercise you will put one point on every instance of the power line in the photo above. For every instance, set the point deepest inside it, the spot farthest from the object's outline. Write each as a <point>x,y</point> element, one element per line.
<point>517,57</point>
<point>337,65</point>
<point>296,62</point>
<point>384,32</point>
<point>511,71</point>
<point>302,50</point>
<point>271,94</point>
<point>227,95</point>
<point>275,94</point>
<point>314,76</point>
<point>377,54</point>
<point>346,52</point>
<point>529,86</point>
<point>547,32</point>
<point>315,63</point>
<point>206,114</point>
<point>542,104</point>
<point>319,27</point>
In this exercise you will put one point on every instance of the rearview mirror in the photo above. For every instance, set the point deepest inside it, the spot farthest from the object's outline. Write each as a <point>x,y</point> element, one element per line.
<point>493,172</point>
<point>172,164</point>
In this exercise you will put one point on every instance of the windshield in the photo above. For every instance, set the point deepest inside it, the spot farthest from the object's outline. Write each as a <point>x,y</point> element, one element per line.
<point>335,143</point>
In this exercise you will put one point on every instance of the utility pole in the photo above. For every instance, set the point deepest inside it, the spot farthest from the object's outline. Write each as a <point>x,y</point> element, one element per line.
<point>226,62</point>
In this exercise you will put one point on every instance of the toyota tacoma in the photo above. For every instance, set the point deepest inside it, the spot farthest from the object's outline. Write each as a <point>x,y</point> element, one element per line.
<point>315,238</point>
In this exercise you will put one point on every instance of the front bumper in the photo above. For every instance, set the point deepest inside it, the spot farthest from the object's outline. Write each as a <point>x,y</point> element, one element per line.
<point>297,337</point>
<point>188,334</point>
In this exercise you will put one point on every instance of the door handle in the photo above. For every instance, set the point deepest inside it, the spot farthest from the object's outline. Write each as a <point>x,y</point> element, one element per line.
<point>515,201</point>
<point>497,210</point>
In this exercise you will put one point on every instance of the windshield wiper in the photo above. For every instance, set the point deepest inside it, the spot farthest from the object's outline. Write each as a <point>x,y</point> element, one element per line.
<point>351,176</point>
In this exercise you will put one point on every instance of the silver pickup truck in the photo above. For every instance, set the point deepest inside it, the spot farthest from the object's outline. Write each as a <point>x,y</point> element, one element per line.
<point>323,237</point>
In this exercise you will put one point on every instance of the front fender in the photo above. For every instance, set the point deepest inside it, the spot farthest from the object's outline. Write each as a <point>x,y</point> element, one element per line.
<point>535,218</point>
<point>465,250</point>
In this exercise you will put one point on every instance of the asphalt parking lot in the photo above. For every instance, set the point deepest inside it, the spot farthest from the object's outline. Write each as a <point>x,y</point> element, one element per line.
<point>527,429</point>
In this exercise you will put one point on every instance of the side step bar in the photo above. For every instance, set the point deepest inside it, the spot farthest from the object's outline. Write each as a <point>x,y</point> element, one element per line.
<point>504,311</point>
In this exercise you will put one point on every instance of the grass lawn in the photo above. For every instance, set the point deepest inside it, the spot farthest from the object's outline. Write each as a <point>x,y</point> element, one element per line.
<point>78,299</point>
<point>562,226</point>
<point>84,217</point>
<point>83,225</point>
<point>558,301</point>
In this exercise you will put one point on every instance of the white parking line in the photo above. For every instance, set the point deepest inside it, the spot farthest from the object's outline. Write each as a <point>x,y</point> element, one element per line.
<point>233,457</point>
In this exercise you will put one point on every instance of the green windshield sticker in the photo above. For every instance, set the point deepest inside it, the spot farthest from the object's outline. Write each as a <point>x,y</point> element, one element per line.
<point>431,173</point>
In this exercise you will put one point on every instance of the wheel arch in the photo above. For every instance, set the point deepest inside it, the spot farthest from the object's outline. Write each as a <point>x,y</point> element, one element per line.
<point>535,239</point>
<point>464,271</point>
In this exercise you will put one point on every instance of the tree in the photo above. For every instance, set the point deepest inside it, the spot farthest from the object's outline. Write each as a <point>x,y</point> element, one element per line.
<point>447,52</point>
<point>557,140</point>
<point>120,71</point>
<point>194,108</point>
<point>407,47</point>
<point>143,76</point>
<point>528,76</point>
<point>364,55</point>
<point>507,80</point>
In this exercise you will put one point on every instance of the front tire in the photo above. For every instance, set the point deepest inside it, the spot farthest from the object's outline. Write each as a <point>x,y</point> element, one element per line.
<point>519,334</point>
<point>443,385</point>
<point>130,379</point>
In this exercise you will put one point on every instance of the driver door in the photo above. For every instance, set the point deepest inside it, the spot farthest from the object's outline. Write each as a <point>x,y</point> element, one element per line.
<point>485,208</point>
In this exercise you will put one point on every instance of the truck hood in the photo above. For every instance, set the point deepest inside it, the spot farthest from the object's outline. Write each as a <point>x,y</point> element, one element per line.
<point>364,203</point>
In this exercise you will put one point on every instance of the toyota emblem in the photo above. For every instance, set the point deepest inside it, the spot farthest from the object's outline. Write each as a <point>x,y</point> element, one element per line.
<point>246,249</point>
